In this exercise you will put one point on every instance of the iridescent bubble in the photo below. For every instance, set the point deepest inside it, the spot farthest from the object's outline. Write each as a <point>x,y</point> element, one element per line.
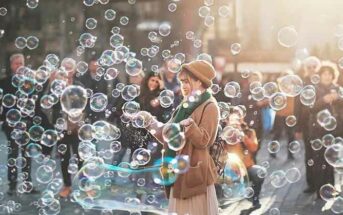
<point>205,57</point>
<point>322,117</point>
<point>204,11</point>
<point>110,14</point>
<point>290,85</point>
<point>115,146</point>
<point>328,140</point>
<point>334,154</point>
<point>180,56</point>
<point>93,168</point>
<point>232,89</point>
<point>270,88</point>
<point>44,174</point>
<point>278,178</point>
<point>173,135</point>
<point>87,40</point>
<point>32,42</point>
<point>62,148</point>
<point>116,40</point>
<point>288,36</point>
<point>291,121</point>
<point>164,29</point>
<point>278,101</point>
<point>293,175</point>
<point>327,192</point>
<point>3,11</point>
<point>172,7</point>
<point>130,92</point>
<point>124,20</point>
<point>57,87</point>
<point>74,100</point>
<point>49,138</point>
<point>131,107</point>
<point>20,42</point>
<point>330,123</point>
<point>274,147</point>
<point>111,73</point>
<point>224,109</point>
<point>166,98</point>
<point>308,95</point>
<point>86,132</point>
<point>232,135</point>
<point>36,132</point>
<point>13,116</point>
<point>98,102</point>
<point>235,48</point>
<point>337,206</point>
<point>23,138</point>
<point>141,156</point>
<point>142,119</point>
<point>294,147</point>
<point>91,23</point>
<point>174,65</point>
<point>82,67</point>
<point>181,164</point>
<point>32,4</point>
<point>86,150</point>
<point>197,43</point>
<point>133,67</point>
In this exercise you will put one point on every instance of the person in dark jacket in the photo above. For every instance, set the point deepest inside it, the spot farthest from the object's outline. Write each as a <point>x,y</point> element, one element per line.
<point>326,98</point>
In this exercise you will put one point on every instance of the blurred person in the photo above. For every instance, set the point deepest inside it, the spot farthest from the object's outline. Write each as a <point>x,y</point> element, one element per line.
<point>310,66</point>
<point>193,192</point>
<point>171,82</point>
<point>246,150</point>
<point>326,98</point>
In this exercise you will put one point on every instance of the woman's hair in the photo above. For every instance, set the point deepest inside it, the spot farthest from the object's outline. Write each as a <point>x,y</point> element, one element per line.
<point>331,67</point>
<point>189,76</point>
<point>144,85</point>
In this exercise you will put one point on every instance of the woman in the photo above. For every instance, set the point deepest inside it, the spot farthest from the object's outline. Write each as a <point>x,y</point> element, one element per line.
<point>193,192</point>
<point>151,87</point>
<point>326,98</point>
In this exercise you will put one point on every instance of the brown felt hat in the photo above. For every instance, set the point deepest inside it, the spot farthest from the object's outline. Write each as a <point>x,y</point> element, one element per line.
<point>202,70</point>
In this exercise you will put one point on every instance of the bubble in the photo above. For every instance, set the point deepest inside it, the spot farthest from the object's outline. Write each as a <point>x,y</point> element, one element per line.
<point>274,211</point>
<point>164,29</point>
<point>172,7</point>
<point>224,11</point>
<point>93,168</point>
<point>205,57</point>
<point>232,135</point>
<point>13,116</point>
<point>166,98</point>
<point>142,119</point>
<point>232,89</point>
<point>36,132</point>
<point>116,40</point>
<point>334,154</point>
<point>110,14</point>
<point>278,101</point>
<point>74,100</point>
<point>141,156</point>
<point>308,95</point>
<point>49,138</point>
<point>91,23</point>
<point>174,65</point>
<point>115,146</point>
<point>32,4</point>
<point>106,131</point>
<point>224,109</point>
<point>23,138</point>
<point>130,92</point>
<point>327,192</point>
<point>293,175</point>
<point>86,150</point>
<point>291,121</point>
<point>33,150</point>
<point>337,206</point>
<point>3,11</point>
<point>204,11</point>
<point>269,89</point>
<point>44,174</point>
<point>87,40</point>
<point>132,2</point>
<point>290,85</point>
<point>328,140</point>
<point>235,48</point>
<point>278,178</point>
<point>197,43</point>
<point>209,20</point>
<point>172,134</point>
<point>133,67</point>
<point>124,20</point>
<point>330,123</point>
<point>287,36</point>
<point>98,102</point>
<point>20,42</point>
<point>82,67</point>
<point>316,144</point>
<point>32,42</point>
<point>274,147</point>
<point>131,107</point>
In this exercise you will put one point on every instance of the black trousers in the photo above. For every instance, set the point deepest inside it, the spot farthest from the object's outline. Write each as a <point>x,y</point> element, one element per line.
<point>256,182</point>
<point>279,126</point>
<point>72,143</point>
<point>12,173</point>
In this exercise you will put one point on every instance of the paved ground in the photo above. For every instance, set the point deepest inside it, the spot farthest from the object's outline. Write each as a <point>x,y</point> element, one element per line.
<point>289,199</point>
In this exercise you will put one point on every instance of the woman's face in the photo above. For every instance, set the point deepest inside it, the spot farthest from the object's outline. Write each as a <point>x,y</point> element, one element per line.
<point>189,85</point>
<point>326,78</point>
<point>153,83</point>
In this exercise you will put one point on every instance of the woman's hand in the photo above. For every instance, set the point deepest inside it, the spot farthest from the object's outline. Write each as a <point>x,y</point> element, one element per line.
<point>186,122</point>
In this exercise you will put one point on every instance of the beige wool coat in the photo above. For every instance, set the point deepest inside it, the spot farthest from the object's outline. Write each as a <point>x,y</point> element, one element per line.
<point>200,135</point>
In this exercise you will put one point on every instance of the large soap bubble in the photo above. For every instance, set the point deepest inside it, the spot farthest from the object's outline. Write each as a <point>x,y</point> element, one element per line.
<point>290,85</point>
<point>173,135</point>
<point>74,100</point>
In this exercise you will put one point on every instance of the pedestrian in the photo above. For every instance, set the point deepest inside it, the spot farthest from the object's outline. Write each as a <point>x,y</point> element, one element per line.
<point>198,114</point>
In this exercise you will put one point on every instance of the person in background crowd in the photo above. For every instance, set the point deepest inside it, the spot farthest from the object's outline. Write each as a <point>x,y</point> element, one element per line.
<point>326,98</point>
<point>280,120</point>
<point>171,83</point>
<point>246,150</point>
<point>311,66</point>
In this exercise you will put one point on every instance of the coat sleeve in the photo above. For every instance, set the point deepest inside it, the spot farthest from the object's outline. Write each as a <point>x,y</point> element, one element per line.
<point>201,135</point>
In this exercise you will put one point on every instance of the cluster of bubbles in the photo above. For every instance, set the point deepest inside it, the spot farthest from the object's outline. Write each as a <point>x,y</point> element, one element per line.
<point>30,42</point>
<point>330,194</point>
<point>326,120</point>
